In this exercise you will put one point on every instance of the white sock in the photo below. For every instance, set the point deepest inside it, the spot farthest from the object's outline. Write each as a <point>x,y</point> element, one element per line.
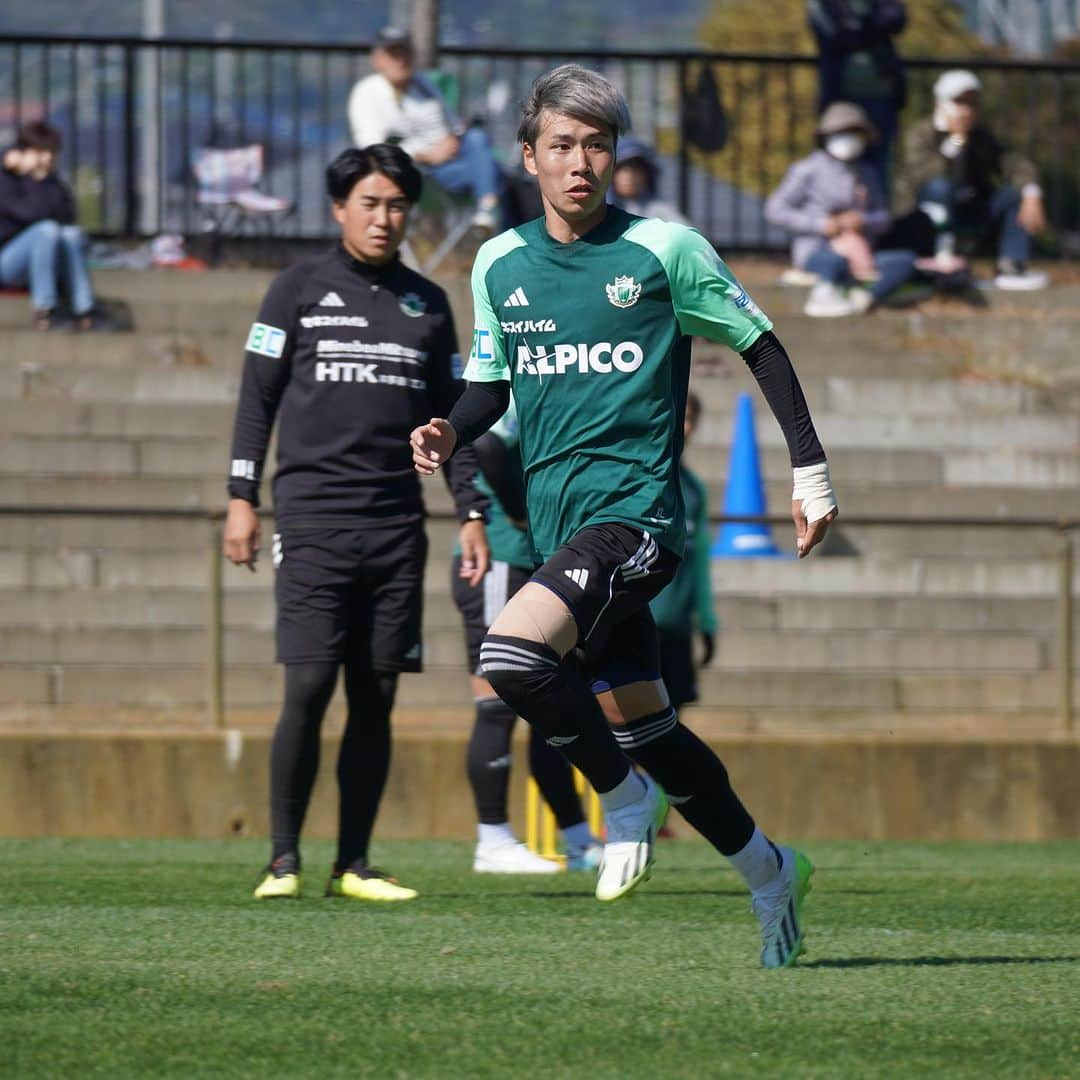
<point>757,862</point>
<point>495,835</point>
<point>578,837</point>
<point>628,791</point>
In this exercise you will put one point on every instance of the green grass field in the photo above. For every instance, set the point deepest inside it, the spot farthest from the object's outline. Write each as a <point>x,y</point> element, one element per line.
<point>149,959</point>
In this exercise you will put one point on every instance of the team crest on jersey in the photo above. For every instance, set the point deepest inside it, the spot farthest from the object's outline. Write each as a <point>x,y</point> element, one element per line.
<point>413,305</point>
<point>624,292</point>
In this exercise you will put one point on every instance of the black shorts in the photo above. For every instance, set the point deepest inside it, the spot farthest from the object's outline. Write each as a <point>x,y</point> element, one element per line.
<point>677,667</point>
<point>353,595</point>
<point>480,604</point>
<point>606,575</point>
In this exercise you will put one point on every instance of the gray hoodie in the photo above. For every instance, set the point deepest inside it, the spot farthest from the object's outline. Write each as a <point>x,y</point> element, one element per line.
<point>818,186</point>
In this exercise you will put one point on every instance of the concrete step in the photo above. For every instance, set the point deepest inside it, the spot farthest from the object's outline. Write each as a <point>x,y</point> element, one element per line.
<point>885,577</point>
<point>784,692</point>
<point>82,383</point>
<point>755,650</point>
<point>869,575</point>
<point>74,533</point>
<point>248,609</point>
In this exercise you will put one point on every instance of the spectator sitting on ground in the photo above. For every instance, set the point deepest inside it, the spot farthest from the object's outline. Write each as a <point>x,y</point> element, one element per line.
<point>833,204</point>
<point>957,172</point>
<point>858,62</point>
<point>40,246</point>
<point>396,105</point>
<point>635,182</point>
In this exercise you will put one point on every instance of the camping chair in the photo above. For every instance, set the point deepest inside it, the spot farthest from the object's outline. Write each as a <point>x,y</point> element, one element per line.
<point>444,217</point>
<point>228,192</point>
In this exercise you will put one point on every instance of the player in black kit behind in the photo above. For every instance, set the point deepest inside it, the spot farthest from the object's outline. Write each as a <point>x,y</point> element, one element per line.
<point>353,350</point>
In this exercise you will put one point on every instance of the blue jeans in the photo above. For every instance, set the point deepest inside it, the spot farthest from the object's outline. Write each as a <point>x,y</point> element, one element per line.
<point>893,267</point>
<point>45,256</point>
<point>474,171</point>
<point>994,215</point>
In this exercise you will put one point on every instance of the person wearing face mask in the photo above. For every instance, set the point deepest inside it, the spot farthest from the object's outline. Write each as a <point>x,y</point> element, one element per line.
<point>833,204</point>
<point>957,173</point>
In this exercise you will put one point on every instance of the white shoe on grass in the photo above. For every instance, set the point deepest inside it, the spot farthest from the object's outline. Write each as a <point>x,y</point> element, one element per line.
<point>631,833</point>
<point>778,907</point>
<point>511,858</point>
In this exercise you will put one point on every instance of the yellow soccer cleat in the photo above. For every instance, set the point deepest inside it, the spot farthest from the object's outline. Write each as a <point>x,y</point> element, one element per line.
<point>368,884</point>
<point>282,880</point>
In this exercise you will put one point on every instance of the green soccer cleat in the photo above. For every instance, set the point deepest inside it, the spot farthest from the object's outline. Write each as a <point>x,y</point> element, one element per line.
<point>281,880</point>
<point>779,908</point>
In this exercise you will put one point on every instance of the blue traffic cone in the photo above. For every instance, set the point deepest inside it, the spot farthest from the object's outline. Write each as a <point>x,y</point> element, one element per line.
<point>745,495</point>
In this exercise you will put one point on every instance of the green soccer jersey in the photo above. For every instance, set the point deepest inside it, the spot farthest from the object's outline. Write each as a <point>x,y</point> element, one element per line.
<point>594,337</point>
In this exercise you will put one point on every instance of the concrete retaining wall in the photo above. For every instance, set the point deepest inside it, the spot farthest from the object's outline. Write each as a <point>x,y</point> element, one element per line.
<point>212,785</point>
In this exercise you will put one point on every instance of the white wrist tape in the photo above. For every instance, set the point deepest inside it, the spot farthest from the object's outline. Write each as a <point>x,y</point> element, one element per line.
<point>813,489</point>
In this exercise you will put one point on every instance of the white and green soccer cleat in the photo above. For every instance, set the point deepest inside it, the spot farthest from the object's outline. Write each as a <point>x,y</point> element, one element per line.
<point>779,909</point>
<point>631,834</point>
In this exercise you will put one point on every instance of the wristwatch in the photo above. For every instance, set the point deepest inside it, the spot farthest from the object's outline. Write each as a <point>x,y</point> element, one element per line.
<point>475,515</point>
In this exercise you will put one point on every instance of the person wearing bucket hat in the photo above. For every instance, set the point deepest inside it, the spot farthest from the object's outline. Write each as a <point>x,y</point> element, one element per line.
<point>833,205</point>
<point>636,181</point>
<point>956,172</point>
<point>858,62</point>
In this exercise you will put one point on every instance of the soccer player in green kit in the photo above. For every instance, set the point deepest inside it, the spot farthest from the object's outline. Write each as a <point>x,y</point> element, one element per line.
<point>587,312</point>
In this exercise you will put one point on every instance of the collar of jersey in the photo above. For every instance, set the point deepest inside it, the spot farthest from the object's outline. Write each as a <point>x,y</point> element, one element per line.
<point>613,225</point>
<point>367,270</point>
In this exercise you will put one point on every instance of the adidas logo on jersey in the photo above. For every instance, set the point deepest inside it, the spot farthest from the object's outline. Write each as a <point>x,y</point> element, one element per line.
<point>579,577</point>
<point>517,298</point>
<point>603,357</point>
<point>331,299</point>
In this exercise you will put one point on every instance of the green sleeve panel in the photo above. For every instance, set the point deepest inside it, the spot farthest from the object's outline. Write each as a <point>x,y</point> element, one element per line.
<point>706,612</point>
<point>707,298</point>
<point>488,361</point>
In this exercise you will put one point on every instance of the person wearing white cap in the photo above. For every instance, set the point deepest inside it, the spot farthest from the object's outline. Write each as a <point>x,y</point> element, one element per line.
<point>398,105</point>
<point>957,173</point>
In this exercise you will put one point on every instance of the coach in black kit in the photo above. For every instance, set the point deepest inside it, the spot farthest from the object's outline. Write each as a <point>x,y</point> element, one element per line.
<point>353,350</point>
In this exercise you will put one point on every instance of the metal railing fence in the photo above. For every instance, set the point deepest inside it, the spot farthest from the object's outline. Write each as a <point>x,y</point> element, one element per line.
<point>133,113</point>
<point>1063,528</point>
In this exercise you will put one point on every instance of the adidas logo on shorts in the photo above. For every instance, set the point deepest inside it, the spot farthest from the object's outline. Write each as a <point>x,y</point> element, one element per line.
<point>579,577</point>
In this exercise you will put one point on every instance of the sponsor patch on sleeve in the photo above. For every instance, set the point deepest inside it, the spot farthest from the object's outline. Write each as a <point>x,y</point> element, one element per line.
<point>266,340</point>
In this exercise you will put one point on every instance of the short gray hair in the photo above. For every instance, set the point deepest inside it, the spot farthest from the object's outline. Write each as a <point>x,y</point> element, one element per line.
<point>573,90</point>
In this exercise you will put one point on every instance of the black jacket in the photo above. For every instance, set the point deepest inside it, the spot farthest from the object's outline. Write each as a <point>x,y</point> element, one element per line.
<point>354,357</point>
<point>858,59</point>
<point>24,201</point>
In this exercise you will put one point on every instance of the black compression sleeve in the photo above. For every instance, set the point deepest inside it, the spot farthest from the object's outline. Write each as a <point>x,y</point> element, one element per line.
<point>772,368</point>
<point>477,409</point>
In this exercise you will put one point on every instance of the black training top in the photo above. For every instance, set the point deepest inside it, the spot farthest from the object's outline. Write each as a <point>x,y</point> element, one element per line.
<point>355,357</point>
<point>25,201</point>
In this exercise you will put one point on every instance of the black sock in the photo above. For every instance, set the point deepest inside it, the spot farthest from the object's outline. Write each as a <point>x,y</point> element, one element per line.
<point>294,753</point>
<point>555,779</point>
<point>364,761</point>
<point>532,679</point>
<point>487,760</point>
<point>693,777</point>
